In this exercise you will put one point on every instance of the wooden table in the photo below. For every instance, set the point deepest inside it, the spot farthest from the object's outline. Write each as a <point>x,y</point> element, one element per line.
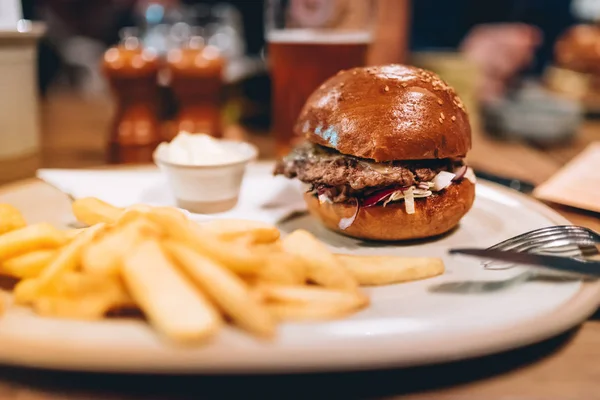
<point>565,367</point>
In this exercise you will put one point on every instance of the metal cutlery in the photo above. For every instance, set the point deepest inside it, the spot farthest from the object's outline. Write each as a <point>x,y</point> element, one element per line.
<point>570,234</point>
<point>571,243</point>
<point>513,183</point>
<point>563,240</point>
<point>562,264</point>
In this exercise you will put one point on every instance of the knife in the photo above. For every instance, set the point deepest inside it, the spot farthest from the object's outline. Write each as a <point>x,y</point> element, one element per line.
<point>516,184</point>
<point>564,264</point>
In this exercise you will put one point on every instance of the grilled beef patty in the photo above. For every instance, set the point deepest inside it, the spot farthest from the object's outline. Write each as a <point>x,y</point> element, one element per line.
<point>349,176</point>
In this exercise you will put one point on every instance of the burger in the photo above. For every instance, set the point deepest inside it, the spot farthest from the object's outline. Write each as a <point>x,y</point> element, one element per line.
<point>575,73</point>
<point>384,154</point>
<point>577,49</point>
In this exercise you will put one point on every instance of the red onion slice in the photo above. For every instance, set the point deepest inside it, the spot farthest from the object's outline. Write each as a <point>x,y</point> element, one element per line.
<point>345,223</point>
<point>379,196</point>
<point>324,190</point>
<point>460,173</point>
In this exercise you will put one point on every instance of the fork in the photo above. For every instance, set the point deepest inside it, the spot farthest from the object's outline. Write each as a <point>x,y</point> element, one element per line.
<point>561,240</point>
<point>557,240</point>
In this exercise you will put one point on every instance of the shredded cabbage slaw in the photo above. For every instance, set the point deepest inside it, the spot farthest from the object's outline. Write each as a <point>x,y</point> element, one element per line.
<point>408,194</point>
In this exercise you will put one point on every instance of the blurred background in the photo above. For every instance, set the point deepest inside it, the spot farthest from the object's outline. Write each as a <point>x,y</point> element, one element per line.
<point>86,82</point>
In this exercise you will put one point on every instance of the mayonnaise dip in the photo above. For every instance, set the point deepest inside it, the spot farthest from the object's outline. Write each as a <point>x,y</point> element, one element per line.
<point>199,149</point>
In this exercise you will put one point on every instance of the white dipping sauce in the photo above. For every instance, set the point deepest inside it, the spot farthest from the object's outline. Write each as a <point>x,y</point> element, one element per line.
<point>198,149</point>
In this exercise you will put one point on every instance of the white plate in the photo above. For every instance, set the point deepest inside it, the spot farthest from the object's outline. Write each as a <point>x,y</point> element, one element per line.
<point>405,325</point>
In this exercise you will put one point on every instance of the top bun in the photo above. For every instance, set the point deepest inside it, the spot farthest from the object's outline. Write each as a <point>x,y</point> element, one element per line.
<point>386,113</point>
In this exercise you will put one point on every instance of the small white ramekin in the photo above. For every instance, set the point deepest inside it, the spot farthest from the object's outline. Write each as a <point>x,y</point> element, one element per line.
<point>211,188</point>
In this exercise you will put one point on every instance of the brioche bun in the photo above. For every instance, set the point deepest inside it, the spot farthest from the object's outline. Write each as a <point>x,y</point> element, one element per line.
<point>577,49</point>
<point>386,113</point>
<point>433,215</point>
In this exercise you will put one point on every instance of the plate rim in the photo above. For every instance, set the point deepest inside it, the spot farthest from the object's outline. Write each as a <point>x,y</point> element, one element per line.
<point>567,315</point>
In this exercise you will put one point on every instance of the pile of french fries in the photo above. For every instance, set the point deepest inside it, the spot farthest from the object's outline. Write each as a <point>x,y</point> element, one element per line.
<point>187,278</point>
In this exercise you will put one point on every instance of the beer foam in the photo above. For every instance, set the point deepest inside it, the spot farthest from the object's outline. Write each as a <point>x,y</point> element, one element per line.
<point>319,36</point>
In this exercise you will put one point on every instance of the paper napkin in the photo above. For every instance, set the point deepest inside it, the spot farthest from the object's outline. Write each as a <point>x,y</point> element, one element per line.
<point>577,184</point>
<point>262,197</point>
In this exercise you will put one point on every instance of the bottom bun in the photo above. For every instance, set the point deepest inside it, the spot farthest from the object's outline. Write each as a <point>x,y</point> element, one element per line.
<point>433,215</point>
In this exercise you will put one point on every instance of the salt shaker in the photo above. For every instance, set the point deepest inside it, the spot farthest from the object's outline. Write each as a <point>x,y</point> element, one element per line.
<point>132,72</point>
<point>196,80</point>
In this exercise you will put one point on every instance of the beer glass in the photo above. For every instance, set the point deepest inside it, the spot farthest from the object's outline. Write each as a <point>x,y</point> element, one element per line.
<point>308,42</point>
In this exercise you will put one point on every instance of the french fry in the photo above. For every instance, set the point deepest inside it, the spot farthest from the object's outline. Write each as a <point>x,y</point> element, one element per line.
<point>26,291</point>
<point>231,229</point>
<point>88,308</point>
<point>67,259</point>
<point>69,256</point>
<point>10,218</point>
<point>30,238</point>
<point>240,259</point>
<point>78,283</point>
<point>309,312</point>
<point>71,233</point>
<point>172,211</point>
<point>131,214</point>
<point>104,256</point>
<point>321,265</point>
<point>283,268</point>
<point>386,270</point>
<point>142,208</point>
<point>293,263</point>
<point>28,265</point>
<point>171,302</point>
<point>256,293</point>
<point>187,277</point>
<point>225,289</point>
<point>143,211</point>
<point>81,296</point>
<point>91,211</point>
<point>312,295</point>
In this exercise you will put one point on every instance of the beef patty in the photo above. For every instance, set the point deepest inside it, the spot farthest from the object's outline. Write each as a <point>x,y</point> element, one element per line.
<point>324,167</point>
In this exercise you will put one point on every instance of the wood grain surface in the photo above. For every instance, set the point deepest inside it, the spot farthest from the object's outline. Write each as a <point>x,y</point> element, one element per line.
<point>566,367</point>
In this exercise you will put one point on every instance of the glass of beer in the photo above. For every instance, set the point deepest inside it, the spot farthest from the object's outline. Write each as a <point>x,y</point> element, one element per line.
<point>308,42</point>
